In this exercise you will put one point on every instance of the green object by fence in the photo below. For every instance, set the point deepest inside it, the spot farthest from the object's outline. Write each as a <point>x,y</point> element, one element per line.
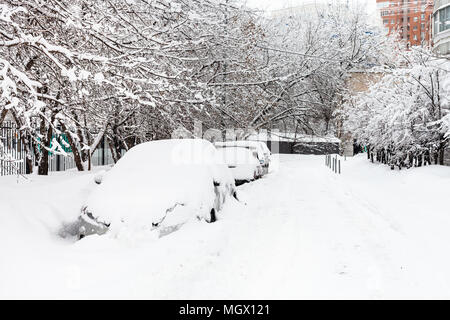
<point>60,138</point>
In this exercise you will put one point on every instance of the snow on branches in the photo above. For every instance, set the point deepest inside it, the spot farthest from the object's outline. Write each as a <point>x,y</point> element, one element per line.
<point>125,72</point>
<point>117,70</point>
<point>406,114</point>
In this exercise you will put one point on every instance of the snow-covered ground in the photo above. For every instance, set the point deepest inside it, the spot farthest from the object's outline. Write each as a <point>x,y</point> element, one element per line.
<point>303,232</point>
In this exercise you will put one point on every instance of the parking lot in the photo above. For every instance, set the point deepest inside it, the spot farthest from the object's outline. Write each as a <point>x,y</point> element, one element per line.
<point>300,232</point>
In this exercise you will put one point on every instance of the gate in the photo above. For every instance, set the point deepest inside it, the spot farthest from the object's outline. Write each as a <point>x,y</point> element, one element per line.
<point>12,151</point>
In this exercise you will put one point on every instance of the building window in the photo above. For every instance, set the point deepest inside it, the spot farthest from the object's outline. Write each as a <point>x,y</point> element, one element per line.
<point>422,16</point>
<point>415,28</point>
<point>393,21</point>
<point>415,37</point>
<point>415,19</point>
<point>385,21</point>
<point>436,23</point>
<point>444,19</point>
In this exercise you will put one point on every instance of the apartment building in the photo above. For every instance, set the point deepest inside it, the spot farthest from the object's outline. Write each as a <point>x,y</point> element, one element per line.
<point>441,27</point>
<point>410,19</point>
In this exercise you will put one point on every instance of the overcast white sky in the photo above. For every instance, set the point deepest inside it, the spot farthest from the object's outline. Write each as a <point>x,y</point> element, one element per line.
<point>280,4</point>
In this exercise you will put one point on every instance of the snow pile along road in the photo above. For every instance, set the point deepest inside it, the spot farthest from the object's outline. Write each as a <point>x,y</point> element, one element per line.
<point>303,232</point>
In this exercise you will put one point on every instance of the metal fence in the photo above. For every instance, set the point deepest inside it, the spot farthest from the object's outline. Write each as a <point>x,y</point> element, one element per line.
<point>13,154</point>
<point>12,151</point>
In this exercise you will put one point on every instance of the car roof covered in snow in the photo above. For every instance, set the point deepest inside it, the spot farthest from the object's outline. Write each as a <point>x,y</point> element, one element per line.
<point>243,143</point>
<point>237,155</point>
<point>154,176</point>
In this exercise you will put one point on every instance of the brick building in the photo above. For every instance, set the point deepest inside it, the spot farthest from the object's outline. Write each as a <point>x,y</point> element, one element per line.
<point>410,18</point>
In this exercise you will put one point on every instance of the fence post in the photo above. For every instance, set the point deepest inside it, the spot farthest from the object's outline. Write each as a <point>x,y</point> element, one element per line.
<point>58,164</point>
<point>339,166</point>
<point>103,151</point>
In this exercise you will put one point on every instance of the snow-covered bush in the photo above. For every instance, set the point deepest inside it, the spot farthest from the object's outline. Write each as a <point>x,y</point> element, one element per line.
<point>404,117</point>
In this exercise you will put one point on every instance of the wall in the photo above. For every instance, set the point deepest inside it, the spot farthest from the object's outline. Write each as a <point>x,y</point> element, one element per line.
<point>447,157</point>
<point>317,148</point>
<point>357,82</point>
<point>291,147</point>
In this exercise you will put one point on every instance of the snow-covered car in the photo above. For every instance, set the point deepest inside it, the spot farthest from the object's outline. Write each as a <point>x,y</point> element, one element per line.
<point>243,163</point>
<point>267,155</point>
<point>160,184</point>
<point>265,148</point>
<point>261,148</point>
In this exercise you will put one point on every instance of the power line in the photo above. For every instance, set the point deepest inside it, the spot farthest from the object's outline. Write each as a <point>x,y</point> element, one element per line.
<point>299,54</point>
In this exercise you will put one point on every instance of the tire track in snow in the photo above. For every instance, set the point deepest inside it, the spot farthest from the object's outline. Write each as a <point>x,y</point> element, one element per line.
<point>310,253</point>
<point>377,231</point>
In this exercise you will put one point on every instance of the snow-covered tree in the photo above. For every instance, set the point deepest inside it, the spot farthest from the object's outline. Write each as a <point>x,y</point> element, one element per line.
<point>404,117</point>
<point>112,69</point>
<point>75,73</point>
<point>308,60</point>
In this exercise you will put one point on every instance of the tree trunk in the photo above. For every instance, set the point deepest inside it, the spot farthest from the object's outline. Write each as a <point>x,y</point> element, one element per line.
<point>116,145</point>
<point>441,156</point>
<point>73,146</point>
<point>43,163</point>
<point>3,115</point>
<point>441,150</point>
<point>113,151</point>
